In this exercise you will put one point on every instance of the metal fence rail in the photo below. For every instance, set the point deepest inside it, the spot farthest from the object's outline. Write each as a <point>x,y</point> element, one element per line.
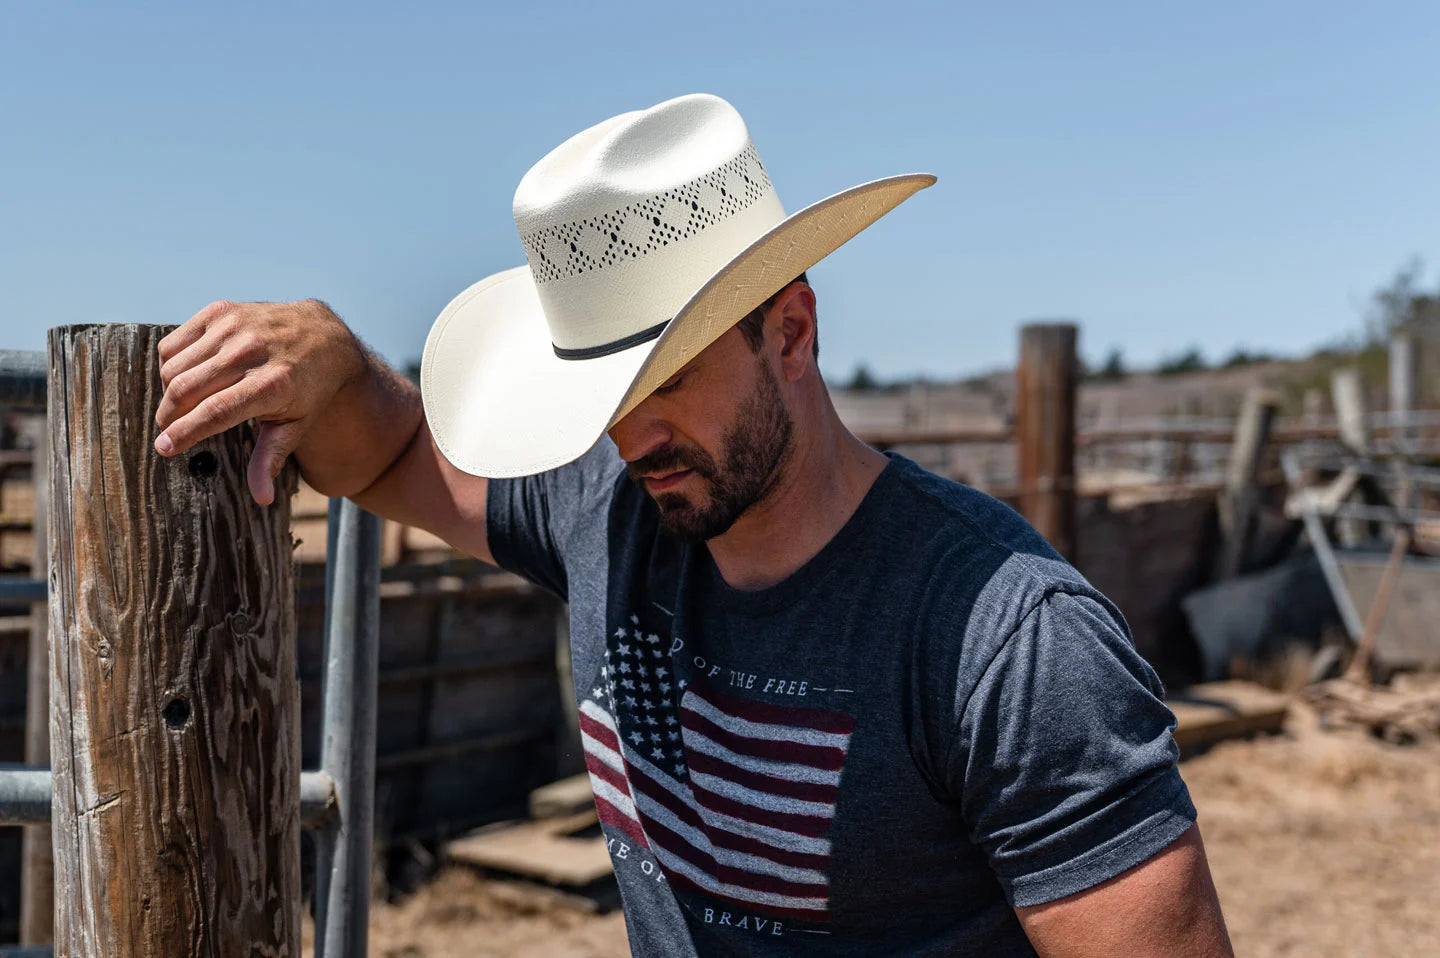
<point>336,801</point>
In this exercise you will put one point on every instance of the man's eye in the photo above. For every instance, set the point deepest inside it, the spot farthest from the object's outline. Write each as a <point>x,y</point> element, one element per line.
<point>671,386</point>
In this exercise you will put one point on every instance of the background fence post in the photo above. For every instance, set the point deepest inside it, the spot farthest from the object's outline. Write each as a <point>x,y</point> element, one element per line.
<point>1239,498</point>
<point>1347,392</point>
<point>175,719</point>
<point>1045,430</point>
<point>37,870</point>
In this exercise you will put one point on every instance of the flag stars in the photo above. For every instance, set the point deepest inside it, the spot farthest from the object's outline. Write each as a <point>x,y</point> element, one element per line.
<point>630,700</point>
<point>665,686</point>
<point>620,633</point>
<point>673,736</point>
<point>655,737</point>
<point>647,704</point>
<point>650,720</point>
<point>657,753</point>
<point>661,671</point>
<point>636,737</point>
<point>678,753</point>
<point>634,619</point>
<point>627,684</point>
<point>644,686</point>
<point>624,667</point>
<point>670,720</point>
<point>623,649</point>
<point>652,638</point>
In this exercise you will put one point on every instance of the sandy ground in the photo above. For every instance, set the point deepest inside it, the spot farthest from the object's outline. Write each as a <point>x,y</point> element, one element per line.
<point>460,915</point>
<point>1322,843</point>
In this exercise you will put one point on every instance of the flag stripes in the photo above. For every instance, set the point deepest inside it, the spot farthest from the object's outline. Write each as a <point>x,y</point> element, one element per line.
<point>745,816</point>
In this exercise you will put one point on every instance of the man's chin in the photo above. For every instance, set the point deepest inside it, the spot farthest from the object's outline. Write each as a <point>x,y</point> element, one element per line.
<point>689,523</point>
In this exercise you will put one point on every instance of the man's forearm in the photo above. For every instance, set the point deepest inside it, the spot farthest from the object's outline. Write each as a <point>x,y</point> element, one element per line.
<point>364,429</point>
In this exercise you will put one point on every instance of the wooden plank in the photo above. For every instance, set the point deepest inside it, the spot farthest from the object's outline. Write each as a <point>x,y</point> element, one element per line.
<point>175,709</point>
<point>1215,711</point>
<point>569,796</point>
<point>546,850</point>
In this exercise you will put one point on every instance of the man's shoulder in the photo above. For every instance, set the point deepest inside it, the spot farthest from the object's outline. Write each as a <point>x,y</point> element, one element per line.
<point>982,561</point>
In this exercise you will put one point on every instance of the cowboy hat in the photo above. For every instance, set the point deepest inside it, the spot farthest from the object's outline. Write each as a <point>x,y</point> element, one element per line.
<point>646,237</point>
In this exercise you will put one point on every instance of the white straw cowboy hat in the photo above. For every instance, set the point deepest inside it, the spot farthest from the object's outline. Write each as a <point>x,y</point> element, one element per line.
<point>646,236</point>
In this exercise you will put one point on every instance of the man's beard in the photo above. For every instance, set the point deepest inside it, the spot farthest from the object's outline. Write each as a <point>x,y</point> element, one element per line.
<point>754,451</point>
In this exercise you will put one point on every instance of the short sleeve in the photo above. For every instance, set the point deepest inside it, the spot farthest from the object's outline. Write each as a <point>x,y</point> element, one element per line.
<point>534,522</point>
<point>1066,765</point>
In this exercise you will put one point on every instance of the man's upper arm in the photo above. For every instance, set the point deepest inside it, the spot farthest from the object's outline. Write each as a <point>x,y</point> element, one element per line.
<point>1065,764</point>
<point>1166,905</point>
<point>422,488</point>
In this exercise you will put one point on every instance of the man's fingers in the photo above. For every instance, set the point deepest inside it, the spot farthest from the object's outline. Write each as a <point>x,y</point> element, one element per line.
<point>184,392</point>
<point>192,329</point>
<point>223,410</point>
<point>207,346</point>
<point>272,447</point>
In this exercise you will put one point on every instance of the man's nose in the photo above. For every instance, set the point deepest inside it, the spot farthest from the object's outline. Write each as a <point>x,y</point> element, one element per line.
<point>640,433</point>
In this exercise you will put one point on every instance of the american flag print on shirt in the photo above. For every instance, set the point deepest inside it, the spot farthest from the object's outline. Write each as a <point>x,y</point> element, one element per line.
<point>734,798</point>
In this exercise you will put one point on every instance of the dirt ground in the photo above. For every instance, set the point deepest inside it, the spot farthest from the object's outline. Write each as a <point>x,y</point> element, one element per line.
<point>1322,843</point>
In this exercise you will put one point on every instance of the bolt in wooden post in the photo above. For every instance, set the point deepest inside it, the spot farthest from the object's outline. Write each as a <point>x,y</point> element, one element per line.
<point>174,702</point>
<point>1045,430</point>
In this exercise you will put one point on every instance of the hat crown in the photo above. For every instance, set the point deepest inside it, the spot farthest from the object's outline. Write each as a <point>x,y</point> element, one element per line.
<point>639,153</point>
<point>623,222</point>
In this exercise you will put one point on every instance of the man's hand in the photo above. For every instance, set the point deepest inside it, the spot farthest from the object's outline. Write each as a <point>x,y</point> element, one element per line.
<point>279,363</point>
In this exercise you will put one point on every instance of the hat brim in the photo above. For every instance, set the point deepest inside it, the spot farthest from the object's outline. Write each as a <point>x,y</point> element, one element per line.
<point>500,403</point>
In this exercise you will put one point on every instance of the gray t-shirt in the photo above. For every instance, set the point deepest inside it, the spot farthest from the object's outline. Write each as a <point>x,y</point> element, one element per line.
<point>932,720</point>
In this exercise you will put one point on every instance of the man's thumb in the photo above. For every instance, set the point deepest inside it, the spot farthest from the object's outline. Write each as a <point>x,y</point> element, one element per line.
<point>272,446</point>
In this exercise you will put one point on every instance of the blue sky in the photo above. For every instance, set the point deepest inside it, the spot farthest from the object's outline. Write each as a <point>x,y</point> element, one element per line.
<point>1221,174</point>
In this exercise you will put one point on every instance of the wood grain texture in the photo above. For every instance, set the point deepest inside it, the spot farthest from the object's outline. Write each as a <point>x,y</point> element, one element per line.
<point>1045,431</point>
<point>174,706</point>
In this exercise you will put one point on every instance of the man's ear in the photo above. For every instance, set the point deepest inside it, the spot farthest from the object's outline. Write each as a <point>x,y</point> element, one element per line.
<point>793,314</point>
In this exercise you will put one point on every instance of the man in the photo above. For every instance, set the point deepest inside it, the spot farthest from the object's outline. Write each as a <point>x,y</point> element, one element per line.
<point>830,703</point>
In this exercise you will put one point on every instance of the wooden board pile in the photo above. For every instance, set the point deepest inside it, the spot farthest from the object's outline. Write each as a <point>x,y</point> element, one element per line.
<point>1403,712</point>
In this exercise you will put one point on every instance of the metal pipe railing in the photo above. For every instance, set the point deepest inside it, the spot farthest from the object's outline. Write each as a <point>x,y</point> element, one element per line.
<point>25,796</point>
<point>352,656</point>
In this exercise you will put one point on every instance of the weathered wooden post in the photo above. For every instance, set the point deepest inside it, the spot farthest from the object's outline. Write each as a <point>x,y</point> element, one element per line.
<point>37,870</point>
<point>1239,498</point>
<point>1045,430</point>
<point>1347,392</point>
<point>174,706</point>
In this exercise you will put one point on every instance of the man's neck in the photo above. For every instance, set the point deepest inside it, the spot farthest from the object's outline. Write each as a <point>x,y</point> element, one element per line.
<point>827,475</point>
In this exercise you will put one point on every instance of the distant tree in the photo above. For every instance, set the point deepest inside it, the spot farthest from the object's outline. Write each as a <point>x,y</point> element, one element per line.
<point>1189,361</point>
<point>1114,366</point>
<point>1243,357</point>
<point>1403,306</point>
<point>862,380</point>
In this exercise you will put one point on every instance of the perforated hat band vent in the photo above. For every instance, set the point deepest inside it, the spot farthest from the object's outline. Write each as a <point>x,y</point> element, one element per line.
<point>701,215</point>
